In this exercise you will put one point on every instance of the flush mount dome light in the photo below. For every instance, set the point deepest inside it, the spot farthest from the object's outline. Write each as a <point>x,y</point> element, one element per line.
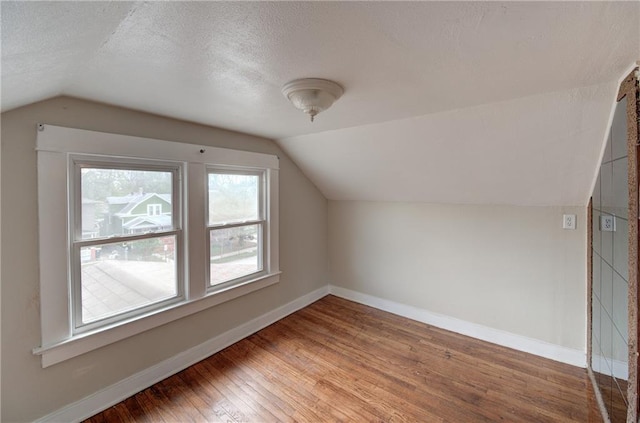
<point>312,95</point>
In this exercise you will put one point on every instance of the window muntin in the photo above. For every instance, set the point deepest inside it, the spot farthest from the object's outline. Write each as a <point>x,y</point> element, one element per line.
<point>235,210</point>
<point>124,260</point>
<point>154,209</point>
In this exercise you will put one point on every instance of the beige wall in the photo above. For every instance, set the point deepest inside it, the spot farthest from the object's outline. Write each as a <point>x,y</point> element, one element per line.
<point>28,391</point>
<point>505,267</point>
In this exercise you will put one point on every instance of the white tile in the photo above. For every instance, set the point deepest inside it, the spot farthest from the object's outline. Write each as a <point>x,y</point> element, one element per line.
<point>607,151</point>
<point>606,298</point>
<point>620,242</point>
<point>620,306</point>
<point>606,244</point>
<point>619,130</point>
<point>606,343</point>
<point>620,188</point>
<point>606,187</point>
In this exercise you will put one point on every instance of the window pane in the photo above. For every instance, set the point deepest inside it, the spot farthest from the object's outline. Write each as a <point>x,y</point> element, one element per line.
<point>235,252</point>
<point>233,198</point>
<point>123,276</point>
<point>121,202</point>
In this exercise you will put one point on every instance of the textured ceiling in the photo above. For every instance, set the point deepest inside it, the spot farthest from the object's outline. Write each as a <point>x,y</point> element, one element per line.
<point>537,150</point>
<point>464,102</point>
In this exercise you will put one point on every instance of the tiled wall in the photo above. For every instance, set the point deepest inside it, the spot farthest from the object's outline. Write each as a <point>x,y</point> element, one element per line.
<point>610,270</point>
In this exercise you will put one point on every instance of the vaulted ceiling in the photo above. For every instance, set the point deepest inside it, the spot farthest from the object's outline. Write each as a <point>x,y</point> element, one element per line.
<point>448,102</point>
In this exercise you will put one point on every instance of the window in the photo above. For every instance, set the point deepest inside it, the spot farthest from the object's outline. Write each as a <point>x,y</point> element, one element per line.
<point>117,253</point>
<point>235,225</point>
<point>154,209</point>
<point>129,263</point>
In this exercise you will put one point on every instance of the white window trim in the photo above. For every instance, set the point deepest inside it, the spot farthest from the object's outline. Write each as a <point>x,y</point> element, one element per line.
<point>55,145</point>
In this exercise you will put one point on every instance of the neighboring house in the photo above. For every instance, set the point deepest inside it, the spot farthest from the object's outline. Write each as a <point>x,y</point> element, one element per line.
<point>90,224</point>
<point>137,213</point>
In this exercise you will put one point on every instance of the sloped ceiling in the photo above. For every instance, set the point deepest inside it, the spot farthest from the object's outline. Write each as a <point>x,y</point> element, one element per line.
<point>454,102</point>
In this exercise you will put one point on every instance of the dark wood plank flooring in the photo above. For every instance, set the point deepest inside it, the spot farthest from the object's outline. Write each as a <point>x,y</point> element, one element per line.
<point>613,393</point>
<point>336,360</point>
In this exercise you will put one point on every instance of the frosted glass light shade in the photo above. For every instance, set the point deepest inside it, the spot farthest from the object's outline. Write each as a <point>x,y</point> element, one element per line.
<point>312,95</point>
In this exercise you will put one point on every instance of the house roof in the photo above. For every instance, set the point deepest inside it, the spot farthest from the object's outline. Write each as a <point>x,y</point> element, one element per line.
<point>141,222</point>
<point>457,102</point>
<point>125,199</point>
<point>133,200</point>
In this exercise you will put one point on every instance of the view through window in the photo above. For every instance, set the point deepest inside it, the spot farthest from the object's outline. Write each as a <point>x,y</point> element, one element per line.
<point>126,241</point>
<point>235,225</point>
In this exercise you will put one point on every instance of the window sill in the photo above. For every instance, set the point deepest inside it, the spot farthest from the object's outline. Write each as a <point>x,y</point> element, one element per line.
<point>85,342</point>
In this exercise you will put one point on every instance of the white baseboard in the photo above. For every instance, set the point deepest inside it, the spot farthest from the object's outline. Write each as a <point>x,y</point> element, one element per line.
<point>496,336</point>
<point>119,391</point>
<point>612,367</point>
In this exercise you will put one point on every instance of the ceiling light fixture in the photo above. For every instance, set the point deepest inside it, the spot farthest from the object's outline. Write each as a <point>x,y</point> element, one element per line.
<point>312,95</point>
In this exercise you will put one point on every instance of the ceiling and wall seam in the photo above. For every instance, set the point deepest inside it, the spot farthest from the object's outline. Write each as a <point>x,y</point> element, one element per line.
<point>614,101</point>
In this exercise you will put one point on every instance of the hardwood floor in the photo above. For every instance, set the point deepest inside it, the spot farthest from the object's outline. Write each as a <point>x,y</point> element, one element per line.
<point>613,393</point>
<point>336,360</point>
